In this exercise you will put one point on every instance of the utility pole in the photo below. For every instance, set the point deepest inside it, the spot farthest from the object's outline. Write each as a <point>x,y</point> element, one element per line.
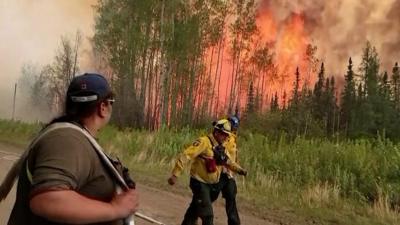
<point>15,95</point>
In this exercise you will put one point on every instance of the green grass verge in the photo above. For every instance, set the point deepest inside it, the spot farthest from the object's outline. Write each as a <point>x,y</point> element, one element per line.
<point>290,182</point>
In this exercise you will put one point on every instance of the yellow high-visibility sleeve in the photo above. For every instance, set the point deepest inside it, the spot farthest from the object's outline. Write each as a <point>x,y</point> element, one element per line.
<point>189,154</point>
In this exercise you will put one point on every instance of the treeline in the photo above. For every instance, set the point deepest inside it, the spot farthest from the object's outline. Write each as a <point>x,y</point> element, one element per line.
<point>182,63</point>
<point>167,63</point>
<point>171,63</point>
<point>166,58</point>
<point>368,104</point>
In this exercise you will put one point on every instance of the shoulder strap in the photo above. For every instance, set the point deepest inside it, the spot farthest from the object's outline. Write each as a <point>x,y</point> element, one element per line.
<point>13,173</point>
<point>129,220</point>
<point>99,150</point>
<point>104,158</point>
<point>212,141</point>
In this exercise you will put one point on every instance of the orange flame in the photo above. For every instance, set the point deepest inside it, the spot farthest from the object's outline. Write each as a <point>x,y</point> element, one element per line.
<point>292,44</point>
<point>267,25</point>
<point>288,41</point>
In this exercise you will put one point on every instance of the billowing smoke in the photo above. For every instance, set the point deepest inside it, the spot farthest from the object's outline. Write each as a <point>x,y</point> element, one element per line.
<point>30,32</point>
<point>341,28</point>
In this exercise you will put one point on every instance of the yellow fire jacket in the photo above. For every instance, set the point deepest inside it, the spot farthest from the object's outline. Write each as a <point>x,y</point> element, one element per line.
<point>196,154</point>
<point>231,151</point>
<point>230,148</point>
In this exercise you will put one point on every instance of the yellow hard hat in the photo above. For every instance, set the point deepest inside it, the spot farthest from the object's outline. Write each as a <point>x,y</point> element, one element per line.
<point>223,125</point>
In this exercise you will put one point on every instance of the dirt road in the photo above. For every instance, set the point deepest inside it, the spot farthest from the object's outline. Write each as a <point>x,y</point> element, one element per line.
<point>161,205</point>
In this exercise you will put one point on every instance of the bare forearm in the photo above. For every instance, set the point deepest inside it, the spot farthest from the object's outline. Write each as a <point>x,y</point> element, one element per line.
<point>70,207</point>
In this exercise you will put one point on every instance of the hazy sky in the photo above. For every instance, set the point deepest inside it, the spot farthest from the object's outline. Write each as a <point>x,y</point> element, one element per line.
<point>30,32</point>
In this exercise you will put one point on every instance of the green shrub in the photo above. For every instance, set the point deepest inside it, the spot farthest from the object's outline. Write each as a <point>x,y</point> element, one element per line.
<point>300,170</point>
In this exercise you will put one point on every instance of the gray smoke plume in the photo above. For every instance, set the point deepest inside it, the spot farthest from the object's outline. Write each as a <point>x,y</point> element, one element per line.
<point>341,28</point>
<point>30,33</point>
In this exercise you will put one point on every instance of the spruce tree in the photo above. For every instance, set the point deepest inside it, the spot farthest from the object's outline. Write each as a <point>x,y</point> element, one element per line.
<point>384,87</point>
<point>385,108</point>
<point>370,70</point>
<point>318,98</point>
<point>274,103</point>
<point>331,107</point>
<point>396,85</point>
<point>296,87</point>
<point>348,101</point>
<point>370,103</point>
<point>250,107</point>
<point>284,100</point>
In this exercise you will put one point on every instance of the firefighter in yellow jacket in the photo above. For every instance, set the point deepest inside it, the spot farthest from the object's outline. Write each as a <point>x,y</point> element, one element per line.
<point>208,158</point>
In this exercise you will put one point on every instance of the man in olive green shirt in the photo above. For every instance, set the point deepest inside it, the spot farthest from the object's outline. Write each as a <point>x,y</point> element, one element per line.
<point>62,160</point>
<point>62,179</point>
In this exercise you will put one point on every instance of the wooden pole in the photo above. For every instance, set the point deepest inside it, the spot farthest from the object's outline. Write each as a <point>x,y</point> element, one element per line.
<point>15,95</point>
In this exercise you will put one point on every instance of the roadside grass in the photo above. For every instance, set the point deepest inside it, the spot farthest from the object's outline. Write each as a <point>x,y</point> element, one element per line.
<point>289,182</point>
<point>17,133</point>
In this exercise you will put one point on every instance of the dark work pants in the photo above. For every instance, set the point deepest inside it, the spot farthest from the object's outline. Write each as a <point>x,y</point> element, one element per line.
<point>229,190</point>
<point>201,205</point>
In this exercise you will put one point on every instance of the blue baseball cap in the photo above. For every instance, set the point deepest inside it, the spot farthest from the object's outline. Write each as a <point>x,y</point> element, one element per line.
<point>88,87</point>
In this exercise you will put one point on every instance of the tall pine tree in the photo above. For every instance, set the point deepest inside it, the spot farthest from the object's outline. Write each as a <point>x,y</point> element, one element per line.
<point>274,103</point>
<point>318,95</point>
<point>368,113</point>
<point>348,101</point>
<point>396,85</point>
<point>296,89</point>
<point>251,104</point>
<point>331,107</point>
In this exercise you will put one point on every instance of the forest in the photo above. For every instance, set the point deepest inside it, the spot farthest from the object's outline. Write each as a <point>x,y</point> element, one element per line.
<point>183,64</point>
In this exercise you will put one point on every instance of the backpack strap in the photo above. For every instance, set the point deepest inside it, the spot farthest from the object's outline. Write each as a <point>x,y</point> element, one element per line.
<point>100,152</point>
<point>14,172</point>
<point>212,141</point>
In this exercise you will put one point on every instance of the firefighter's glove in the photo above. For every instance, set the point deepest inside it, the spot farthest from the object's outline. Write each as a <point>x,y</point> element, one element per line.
<point>242,172</point>
<point>219,155</point>
<point>172,180</point>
